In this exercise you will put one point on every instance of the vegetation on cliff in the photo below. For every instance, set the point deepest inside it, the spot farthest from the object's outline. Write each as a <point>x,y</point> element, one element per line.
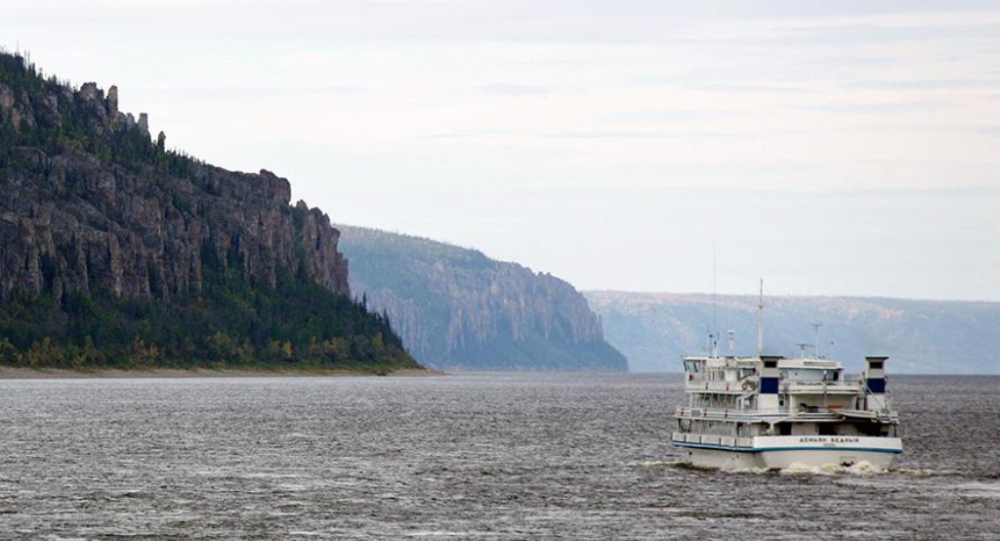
<point>457,309</point>
<point>117,252</point>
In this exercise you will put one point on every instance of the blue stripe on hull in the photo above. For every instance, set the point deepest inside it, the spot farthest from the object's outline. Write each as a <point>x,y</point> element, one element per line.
<point>765,449</point>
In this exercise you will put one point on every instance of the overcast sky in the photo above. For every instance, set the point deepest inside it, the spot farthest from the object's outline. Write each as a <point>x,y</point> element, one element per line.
<point>848,147</point>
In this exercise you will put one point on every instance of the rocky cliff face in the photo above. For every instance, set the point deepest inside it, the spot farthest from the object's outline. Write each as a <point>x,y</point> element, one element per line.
<point>116,252</point>
<point>457,309</point>
<point>70,220</point>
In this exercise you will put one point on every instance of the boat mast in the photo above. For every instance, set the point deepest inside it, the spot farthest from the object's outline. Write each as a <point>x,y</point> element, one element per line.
<point>760,321</point>
<point>816,327</point>
<point>714,335</point>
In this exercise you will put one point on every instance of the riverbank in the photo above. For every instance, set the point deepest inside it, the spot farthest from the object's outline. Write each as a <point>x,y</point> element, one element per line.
<point>8,372</point>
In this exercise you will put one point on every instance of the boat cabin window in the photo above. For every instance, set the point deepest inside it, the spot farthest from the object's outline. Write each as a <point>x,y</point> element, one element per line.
<point>827,429</point>
<point>692,367</point>
<point>809,375</point>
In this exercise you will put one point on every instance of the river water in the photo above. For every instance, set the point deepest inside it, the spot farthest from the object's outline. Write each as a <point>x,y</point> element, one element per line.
<point>458,457</point>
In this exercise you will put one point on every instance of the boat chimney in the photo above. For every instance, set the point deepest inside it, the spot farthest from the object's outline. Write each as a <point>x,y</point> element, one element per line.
<point>874,377</point>
<point>769,382</point>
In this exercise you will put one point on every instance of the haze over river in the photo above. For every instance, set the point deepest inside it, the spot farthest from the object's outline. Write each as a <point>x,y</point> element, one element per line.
<point>456,457</point>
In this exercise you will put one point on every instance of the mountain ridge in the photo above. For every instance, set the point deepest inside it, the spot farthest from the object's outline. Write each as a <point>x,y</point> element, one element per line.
<point>920,336</point>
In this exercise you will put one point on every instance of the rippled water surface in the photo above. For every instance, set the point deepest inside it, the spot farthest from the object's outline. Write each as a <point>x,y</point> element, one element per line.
<point>457,457</point>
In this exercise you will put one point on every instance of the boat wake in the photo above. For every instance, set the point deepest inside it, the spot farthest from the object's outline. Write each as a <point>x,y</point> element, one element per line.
<point>860,469</point>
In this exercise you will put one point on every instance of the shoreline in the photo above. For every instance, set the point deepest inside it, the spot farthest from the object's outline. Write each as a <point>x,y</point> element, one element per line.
<point>11,372</point>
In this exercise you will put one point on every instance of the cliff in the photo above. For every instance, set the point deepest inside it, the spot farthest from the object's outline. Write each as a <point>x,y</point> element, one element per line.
<point>92,208</point>
<point>943,337</point>
<point>457,309</point>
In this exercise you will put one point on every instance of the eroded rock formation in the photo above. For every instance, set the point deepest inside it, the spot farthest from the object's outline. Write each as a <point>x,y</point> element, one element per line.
<point>72,220</point>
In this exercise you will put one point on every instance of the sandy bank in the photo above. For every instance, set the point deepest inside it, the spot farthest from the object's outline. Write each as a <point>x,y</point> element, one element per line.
<point>7,372</point>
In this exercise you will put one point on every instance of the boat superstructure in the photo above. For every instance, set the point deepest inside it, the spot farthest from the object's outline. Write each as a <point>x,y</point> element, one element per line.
<point>772,412</point>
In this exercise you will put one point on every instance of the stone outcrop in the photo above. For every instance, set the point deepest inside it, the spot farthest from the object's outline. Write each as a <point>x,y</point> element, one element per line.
<point>70,220</point>
<point>456,309</point>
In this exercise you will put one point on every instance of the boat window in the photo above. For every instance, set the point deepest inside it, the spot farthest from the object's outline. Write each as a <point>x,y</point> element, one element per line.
<point>806,375</point>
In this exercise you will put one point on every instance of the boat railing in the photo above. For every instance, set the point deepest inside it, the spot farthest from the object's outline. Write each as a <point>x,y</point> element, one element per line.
<point>791,414</point>
<point>747,384</point>
<point>712,439</point>
<point>787,386</point>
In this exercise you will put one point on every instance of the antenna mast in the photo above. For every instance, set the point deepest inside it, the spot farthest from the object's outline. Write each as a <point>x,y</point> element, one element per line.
<point>715,299</point>
<point>760,321</point>
<point>816,327</point>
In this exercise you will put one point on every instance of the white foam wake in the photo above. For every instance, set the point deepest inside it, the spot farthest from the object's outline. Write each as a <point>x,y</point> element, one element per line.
<point>862,468</point>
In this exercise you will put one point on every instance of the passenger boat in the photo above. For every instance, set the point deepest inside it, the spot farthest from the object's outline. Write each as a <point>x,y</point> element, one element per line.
<point>775,413</point>
<point>771,412</point>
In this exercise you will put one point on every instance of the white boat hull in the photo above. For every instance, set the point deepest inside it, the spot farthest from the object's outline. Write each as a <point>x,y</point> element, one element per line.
<point>789,452</point>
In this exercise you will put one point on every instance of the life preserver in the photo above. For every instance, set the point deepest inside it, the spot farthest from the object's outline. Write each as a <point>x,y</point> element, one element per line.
<point>746,386</point>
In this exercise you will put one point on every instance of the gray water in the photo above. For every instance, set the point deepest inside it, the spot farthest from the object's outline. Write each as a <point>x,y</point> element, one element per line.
<point>457,457</point>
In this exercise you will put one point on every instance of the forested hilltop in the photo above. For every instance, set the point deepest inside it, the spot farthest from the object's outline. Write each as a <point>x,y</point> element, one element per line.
<point>117,252</point>
<point>457,309</point>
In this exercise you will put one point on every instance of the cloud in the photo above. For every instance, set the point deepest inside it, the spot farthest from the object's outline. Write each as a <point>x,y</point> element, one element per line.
<point>876,34</point>
<point>987,130</point>
<point>466,134</point>
<point>249,92</point>
<point>626,134</point>
<point>674,116</point>
<point>749,87</point>
<point>513,89</point>
<point>925,84</point>
<point>885,107</point>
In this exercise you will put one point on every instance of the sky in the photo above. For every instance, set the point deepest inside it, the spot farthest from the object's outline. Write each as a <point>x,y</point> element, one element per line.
<point>832,148</point>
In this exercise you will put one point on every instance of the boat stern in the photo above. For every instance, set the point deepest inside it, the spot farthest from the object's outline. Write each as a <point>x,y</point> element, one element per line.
<point>787,452</point>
